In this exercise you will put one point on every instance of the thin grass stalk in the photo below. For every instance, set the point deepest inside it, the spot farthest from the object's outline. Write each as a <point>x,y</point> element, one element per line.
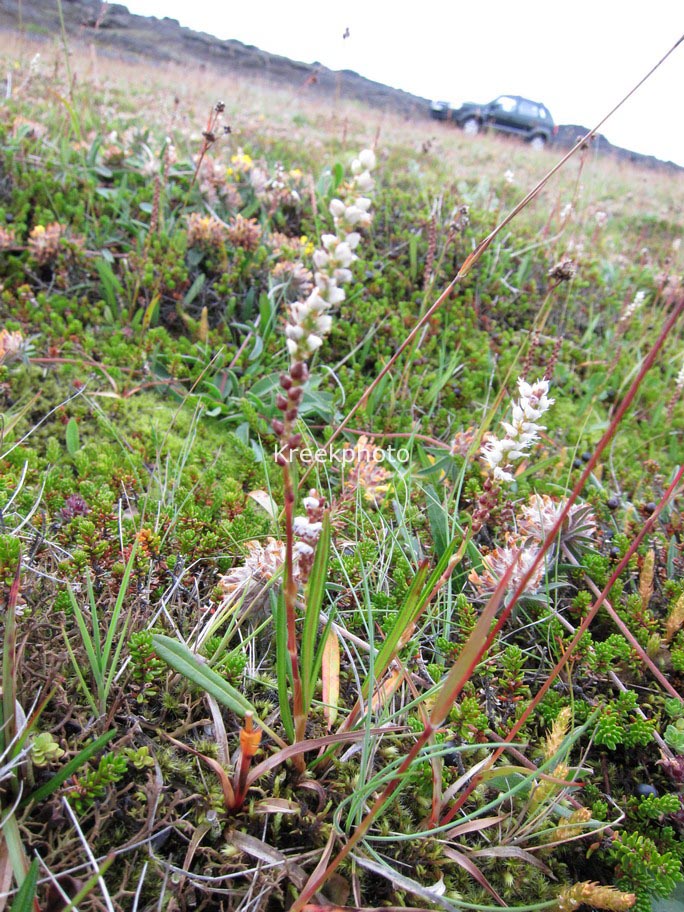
<point>581,630</point>
<point>396,641</point>
<point>481,637</point>
<point>67,64</point>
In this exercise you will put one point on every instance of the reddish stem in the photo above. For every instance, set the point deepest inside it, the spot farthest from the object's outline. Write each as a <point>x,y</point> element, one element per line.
<point>291,615</point>
<point>564,659</point>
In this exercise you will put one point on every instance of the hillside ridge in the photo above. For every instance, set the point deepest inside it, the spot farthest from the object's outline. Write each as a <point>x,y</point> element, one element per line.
<point>113,29</point>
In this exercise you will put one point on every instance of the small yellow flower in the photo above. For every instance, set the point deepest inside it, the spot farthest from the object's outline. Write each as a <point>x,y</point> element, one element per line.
<point>307,246</point>
<point>242,161</point>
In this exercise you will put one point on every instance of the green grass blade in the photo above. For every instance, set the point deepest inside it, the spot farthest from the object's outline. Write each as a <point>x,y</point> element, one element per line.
<point>283,670</point>
<point>26,894</point>
<point>95,619</point>
<point>92,651</point>
<point>9,827</point>
<point>8,724</point>
<point>90,883</point>
<point>315,592</point>
<point>182,660</point>
<point>123,589</point>
<point>410,611</point>
<point>114,665</point>
<point>81,677</point>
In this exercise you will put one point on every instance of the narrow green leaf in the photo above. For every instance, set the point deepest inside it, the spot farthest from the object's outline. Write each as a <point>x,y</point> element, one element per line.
<point>405,616</point>
<point>151,313</point>
<point>26,894</point>
<point>102,869</point>
<point>182,660</point>
<point>94,617</point>
<point>283,669</point>
<point>257,349</point>
<point>338,175</point>
<point>73,441</point>
<point>315,592</point>
<point>268,313</point>
<point>320,650</point>
<point>14,846</point>
<point>413,256</point>
<point>194,289</point>
<point>439,520</point>
<point>111,287</point>
<point>79,674</point>
<point>114,622</point>
<point>413,605</point>
<point>8,726</point>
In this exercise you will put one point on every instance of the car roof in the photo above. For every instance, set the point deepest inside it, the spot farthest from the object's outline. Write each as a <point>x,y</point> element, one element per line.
<point>540,104</point>
<point>520,98</point>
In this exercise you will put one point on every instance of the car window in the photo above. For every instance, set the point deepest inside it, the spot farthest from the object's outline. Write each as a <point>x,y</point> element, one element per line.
<point>542,113</point>
<point>506,103</point>
<point>528,109</point>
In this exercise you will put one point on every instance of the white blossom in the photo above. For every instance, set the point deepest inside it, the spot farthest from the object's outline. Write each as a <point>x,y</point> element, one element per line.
<point>679,382</point>
<point>632,307</point>
<point>366,160</point>
<point>522,430</point>
<point>310,320</point>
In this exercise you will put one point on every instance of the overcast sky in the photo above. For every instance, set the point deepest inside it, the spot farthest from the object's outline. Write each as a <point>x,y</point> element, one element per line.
<point>578,58</point>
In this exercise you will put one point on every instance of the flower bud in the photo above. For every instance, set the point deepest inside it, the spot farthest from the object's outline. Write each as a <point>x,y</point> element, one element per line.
<point>299,371</point>
<point>367,159</point>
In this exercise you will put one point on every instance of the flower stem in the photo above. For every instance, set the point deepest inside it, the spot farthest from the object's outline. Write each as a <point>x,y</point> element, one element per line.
<point>291,616</point>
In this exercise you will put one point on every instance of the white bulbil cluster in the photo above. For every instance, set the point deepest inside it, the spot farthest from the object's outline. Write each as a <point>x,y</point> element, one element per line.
<point>522,430</point>
<point>679,382</point>
<point>632,307</point>
<point>308,528</point>
<point>309,320</point>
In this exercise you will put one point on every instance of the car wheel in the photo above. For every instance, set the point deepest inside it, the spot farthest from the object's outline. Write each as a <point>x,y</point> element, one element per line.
<point>537,143</point>
<point>471,126</point>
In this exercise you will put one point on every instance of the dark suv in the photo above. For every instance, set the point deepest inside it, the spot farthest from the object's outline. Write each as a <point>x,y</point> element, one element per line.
<point>507,113</point>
